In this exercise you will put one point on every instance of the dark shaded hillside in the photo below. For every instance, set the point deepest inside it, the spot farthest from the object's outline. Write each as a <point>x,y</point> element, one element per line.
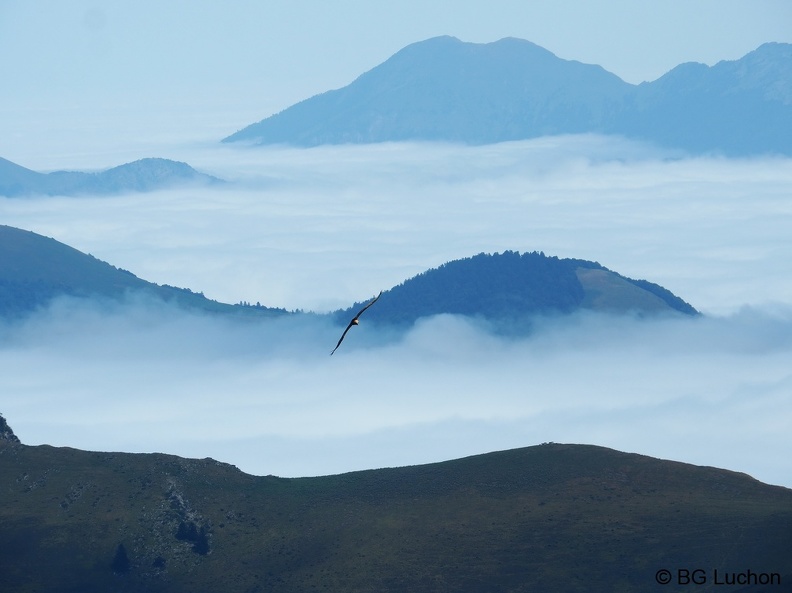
<point>507,288</point>
<point>544,518</point>
<point>36,269</point>
<point>139,176</point>
<point>443,89</point>
<point>512,287</point>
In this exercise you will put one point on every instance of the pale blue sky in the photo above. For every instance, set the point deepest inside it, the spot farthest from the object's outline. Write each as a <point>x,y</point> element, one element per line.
<point>212,67</point>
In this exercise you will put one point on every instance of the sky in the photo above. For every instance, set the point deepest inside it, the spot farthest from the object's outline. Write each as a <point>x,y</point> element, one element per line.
<point>90,85</point>
<point>88,82</point>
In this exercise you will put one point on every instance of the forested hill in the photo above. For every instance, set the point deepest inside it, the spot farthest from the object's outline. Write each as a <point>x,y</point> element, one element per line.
<point>502,287</point>
<point>509,286</point>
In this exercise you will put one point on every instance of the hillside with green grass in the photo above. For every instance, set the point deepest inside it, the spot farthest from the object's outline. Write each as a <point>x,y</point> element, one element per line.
<point>552,517</point>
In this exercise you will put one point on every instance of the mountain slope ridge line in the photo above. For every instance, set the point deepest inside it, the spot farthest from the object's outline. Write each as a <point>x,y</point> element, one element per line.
<point>502,287</point>
<point>444,89</point>
<point>505,519</point>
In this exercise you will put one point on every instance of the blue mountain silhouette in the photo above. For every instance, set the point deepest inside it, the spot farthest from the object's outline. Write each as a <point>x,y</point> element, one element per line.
<point>443,89</point>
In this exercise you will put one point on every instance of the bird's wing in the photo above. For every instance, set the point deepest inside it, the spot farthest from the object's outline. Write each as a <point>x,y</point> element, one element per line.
<point>367,306</point>
<point>342,337</point>
<point>354,320</point>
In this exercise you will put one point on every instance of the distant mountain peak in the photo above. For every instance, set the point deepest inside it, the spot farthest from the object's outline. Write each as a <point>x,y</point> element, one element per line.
<point>449,90</point>
<point>145,174</point>
<point>767,69</point>
<point>772,49</point>
<point>451,42</point>
<point>444,89</point>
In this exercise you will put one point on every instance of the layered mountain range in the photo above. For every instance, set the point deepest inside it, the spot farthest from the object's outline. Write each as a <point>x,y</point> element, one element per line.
<point>443,89</point>
<point>499,287</point>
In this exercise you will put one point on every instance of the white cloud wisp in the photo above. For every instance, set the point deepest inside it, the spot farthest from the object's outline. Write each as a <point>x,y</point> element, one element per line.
<point>267,397</point>
<point>319,229</point>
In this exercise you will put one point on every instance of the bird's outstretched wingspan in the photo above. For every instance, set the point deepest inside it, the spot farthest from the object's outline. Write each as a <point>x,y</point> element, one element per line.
<point>355,322</point>
<point>342,337</point>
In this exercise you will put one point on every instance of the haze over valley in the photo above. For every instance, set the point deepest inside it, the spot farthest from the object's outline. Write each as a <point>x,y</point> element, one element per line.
<point>362,296</point>
<point>321,229</point>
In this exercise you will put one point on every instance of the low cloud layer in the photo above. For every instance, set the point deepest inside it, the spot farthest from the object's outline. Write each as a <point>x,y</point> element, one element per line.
<point>319,229</point>
<point>267,397</point>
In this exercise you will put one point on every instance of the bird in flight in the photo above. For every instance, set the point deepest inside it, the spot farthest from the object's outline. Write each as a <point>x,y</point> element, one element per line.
<point>354,322</point>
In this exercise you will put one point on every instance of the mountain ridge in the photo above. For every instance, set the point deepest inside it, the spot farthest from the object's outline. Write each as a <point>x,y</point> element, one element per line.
<point>547,517</point>
<point>502,287</point>
<point>409,69</point>
<point>143,175</point>
<point>35,269</point>
<point>443,89</point>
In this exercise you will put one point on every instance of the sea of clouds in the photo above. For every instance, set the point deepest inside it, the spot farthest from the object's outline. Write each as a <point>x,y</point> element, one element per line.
<point>322,228</point>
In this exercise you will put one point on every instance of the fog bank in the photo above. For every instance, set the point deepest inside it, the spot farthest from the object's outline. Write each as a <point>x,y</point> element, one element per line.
<point>266,396</point>
<point>318,229</point>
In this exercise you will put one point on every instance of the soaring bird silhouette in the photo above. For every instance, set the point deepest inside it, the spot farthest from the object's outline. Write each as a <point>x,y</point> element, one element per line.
<point>354,322</point>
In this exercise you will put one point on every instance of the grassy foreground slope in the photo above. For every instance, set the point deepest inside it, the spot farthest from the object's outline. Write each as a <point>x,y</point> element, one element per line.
<point>552,517</point>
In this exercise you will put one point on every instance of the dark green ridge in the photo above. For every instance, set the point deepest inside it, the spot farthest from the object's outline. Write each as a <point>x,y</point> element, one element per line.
<point>552,517</point>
